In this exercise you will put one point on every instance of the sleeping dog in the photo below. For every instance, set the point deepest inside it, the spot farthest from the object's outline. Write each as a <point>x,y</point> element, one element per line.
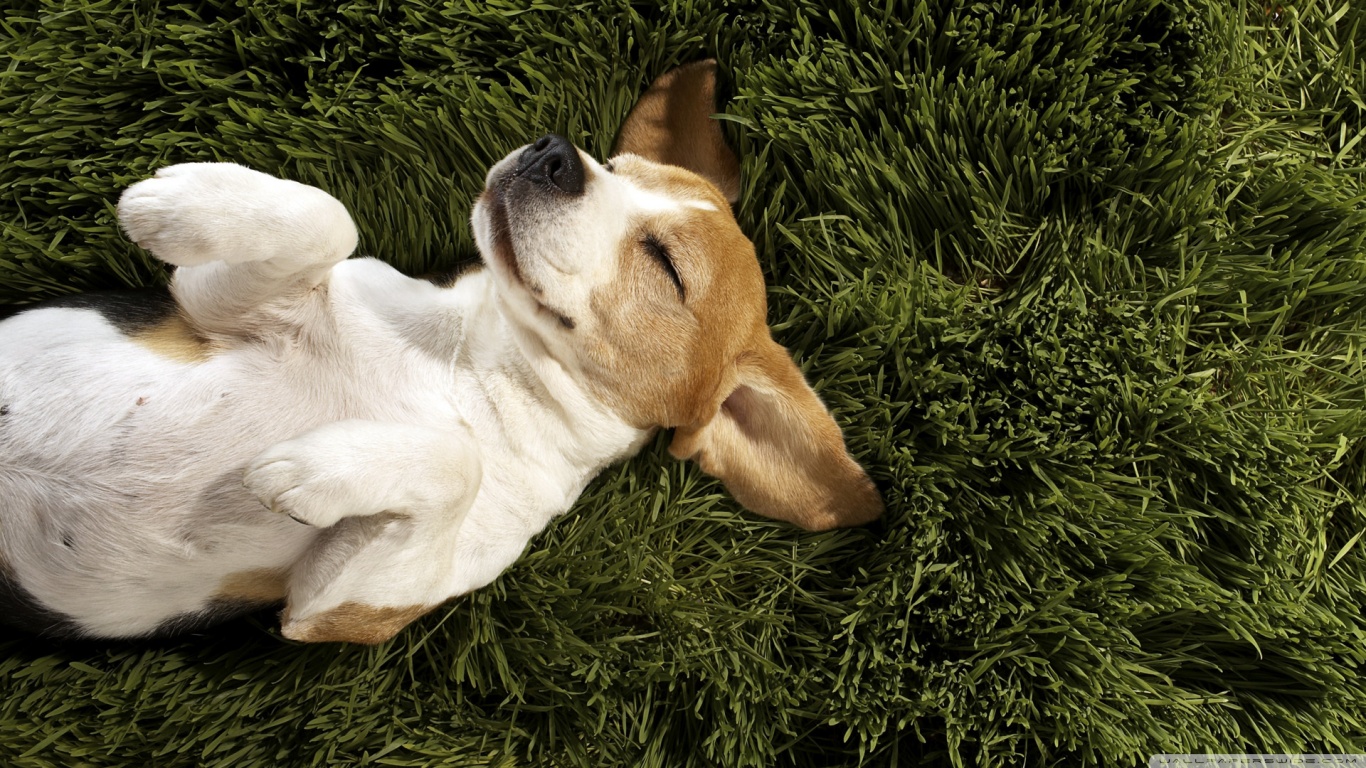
<point>290,425</point>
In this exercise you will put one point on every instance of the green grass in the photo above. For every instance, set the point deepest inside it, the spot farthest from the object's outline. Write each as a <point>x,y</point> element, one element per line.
<point>1083,280</point>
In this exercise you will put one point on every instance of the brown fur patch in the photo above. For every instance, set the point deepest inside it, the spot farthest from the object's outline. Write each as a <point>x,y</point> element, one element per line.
<point>778,450</point>
<point>175,339</point>
<point>261,585</point>
<point>708,365</point>
<point>352,623</point>
<point>662,360</point>
<point>672,124</point>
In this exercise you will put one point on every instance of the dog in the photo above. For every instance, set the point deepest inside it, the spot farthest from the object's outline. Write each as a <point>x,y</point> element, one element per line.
<point>290,425</point>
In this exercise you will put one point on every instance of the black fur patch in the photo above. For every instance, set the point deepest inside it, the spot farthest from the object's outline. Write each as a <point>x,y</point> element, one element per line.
<point>216,612</point>
<point>129,311</point>
<point>21,610</point>
<point>445,278</point>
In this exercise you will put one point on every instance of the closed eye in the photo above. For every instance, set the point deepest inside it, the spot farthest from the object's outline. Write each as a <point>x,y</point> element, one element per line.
<point>660,254</point>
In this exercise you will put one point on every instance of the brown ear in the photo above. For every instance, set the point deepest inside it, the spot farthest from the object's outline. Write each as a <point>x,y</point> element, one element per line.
<point>779,451</point>
<point>672,124</point>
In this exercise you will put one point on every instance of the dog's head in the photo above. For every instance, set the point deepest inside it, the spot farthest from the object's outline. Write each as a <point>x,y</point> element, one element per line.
<point>634,275</point>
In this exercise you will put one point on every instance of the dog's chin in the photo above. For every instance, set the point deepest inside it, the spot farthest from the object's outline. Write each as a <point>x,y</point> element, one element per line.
<point>494,235</point>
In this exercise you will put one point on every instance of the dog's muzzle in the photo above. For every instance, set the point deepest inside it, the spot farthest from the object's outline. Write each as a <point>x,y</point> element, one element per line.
<point>553,162</point>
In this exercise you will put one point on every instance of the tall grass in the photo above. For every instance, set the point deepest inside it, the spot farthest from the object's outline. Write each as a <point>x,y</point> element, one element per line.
<point>1083,280</point>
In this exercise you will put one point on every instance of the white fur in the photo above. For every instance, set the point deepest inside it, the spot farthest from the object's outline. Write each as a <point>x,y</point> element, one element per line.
<point>422,435</point>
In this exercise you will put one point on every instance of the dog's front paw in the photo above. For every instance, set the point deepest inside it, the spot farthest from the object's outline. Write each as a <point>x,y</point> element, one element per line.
<point>196,213</point>
<point>302,481</point>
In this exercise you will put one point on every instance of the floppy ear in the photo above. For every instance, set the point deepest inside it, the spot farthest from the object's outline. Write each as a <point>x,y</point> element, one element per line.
<point>778,450</point>
<point>672,124</point>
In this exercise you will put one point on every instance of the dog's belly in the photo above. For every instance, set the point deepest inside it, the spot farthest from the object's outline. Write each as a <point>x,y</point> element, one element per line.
<point>122,510</point>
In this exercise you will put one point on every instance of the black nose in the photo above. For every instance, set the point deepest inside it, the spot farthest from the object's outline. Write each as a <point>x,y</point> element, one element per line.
<point>553,160</point>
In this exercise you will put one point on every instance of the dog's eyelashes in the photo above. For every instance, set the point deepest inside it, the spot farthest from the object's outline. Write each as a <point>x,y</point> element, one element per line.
<point>660,254</point>
<point>607,166</point>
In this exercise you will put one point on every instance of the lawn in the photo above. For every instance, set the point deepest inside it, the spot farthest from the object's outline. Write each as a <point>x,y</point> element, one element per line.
<point>1083,281</point>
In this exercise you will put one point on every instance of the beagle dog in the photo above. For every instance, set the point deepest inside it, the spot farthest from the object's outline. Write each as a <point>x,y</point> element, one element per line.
<point>292,426</point>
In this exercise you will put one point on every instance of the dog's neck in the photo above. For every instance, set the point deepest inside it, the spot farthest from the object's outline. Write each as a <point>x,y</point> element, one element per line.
<point>543,432</point>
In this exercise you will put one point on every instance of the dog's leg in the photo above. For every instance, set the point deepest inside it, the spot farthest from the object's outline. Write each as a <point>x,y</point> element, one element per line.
<point>239,238</point>
<point>391,498</point>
